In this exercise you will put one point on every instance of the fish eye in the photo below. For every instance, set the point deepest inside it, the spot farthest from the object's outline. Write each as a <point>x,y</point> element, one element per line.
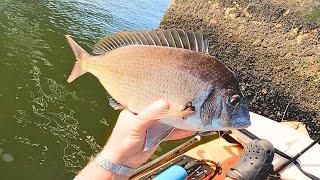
<point>234,100</point>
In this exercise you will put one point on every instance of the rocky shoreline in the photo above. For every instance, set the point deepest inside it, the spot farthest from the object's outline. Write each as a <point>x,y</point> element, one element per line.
<point>272,46</point>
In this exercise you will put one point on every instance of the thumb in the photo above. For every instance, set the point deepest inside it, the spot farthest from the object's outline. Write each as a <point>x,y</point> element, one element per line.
<point>150,114</point>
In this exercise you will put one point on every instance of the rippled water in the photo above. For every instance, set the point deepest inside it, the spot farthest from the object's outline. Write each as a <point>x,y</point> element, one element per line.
<point>49,128</point>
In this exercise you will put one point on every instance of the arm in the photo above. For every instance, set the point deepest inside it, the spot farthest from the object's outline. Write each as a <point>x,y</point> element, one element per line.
<point>126,143</point>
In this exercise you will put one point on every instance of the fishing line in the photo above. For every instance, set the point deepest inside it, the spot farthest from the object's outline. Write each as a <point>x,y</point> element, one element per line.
<point>296,156</point>
<point>224,133</point>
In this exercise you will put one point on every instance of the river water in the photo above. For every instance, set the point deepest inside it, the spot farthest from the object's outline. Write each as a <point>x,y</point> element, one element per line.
<point>49,128</point>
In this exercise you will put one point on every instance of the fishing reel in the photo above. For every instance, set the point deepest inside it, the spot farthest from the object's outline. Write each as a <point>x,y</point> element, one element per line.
<point>186,168</point>
<point>202,169</point>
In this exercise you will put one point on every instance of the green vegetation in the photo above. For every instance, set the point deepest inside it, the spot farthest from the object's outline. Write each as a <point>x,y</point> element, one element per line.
<point>314,15</point>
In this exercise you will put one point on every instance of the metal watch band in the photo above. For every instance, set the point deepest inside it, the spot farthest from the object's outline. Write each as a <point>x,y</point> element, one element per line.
<point>115,168</point>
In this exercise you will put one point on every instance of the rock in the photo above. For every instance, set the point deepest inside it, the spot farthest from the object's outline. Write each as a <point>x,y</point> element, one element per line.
<point>264,91</point>
<point>272,46</point>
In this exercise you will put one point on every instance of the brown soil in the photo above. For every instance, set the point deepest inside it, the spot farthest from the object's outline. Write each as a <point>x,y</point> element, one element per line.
<point>273,47</point>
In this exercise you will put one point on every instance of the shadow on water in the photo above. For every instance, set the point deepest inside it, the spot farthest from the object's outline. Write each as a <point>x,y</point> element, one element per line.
<point>49,128</point>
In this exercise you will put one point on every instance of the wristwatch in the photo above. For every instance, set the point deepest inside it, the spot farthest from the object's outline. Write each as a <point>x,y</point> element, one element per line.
<point>115,168</point>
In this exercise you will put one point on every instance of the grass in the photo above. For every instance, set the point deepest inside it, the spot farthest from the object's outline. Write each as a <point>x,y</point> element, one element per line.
<point>314,15</point>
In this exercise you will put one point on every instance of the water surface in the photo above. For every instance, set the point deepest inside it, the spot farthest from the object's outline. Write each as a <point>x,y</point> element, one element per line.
<point>49,128</point>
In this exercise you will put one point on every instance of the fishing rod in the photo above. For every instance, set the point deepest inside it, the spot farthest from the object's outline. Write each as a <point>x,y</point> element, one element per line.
<point>166,157</point>
<point>296,156</point>
<point>171,154</point>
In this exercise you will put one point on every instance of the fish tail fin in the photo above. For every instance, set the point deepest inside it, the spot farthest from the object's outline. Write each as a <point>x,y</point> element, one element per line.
<point>81,55</point>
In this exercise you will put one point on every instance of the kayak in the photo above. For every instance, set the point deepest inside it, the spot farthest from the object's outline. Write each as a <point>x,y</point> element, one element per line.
<point>288,140</point>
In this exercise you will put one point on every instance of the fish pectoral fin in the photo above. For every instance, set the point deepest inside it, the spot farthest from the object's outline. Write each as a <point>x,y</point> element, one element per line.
<point>187,112</point>
<point>156,134</point>
<point>166,114</point>
<point>115,104</point>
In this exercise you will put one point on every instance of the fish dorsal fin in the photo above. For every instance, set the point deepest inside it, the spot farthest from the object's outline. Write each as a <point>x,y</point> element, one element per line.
<point>175,38</point>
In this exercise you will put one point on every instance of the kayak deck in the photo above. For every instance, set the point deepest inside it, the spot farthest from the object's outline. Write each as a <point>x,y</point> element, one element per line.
<point>218,150</point>
<point>209,148</point>
<point>227,153</point>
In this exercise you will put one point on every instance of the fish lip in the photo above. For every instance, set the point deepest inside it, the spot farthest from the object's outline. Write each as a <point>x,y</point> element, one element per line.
<point>245,125</point>
<point>242,124</point>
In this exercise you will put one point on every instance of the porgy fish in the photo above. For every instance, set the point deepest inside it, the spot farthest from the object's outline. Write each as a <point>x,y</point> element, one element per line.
<point>138,68</point>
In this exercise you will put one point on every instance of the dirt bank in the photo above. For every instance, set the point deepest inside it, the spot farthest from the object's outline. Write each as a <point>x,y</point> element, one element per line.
<point>273,46</point>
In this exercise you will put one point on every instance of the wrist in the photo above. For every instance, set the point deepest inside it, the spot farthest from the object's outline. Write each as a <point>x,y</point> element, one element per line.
<point>113,166</point>
<point>122,159</point>
<point>112,156</point>
<point>94,171</point>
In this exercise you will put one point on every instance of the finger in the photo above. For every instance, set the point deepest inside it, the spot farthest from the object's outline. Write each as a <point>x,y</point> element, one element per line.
<point>151,113</point>
<point>179,134</point>
<point>125,115</point>
<point>126,112</point>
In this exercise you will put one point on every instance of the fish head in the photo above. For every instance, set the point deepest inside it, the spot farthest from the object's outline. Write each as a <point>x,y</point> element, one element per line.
<point>224,109</point>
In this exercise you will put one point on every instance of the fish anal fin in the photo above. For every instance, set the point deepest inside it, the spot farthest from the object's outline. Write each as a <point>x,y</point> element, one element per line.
<point>115,104</point>
<point>156,133</point>
<point>174,38</point>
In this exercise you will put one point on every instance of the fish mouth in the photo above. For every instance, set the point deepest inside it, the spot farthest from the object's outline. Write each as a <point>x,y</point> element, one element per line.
<point>242,124</point>
<point>236,123</point>
<point>217,125</point>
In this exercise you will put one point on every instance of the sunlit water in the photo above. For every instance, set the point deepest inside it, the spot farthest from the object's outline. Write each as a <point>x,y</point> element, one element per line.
<point>49,128</point>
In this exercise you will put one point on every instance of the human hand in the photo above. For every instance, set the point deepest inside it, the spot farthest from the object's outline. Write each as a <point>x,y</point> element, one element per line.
<point>126,143</point>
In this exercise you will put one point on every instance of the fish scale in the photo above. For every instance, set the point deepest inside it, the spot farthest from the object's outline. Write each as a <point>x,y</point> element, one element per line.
<point>122,79</point>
